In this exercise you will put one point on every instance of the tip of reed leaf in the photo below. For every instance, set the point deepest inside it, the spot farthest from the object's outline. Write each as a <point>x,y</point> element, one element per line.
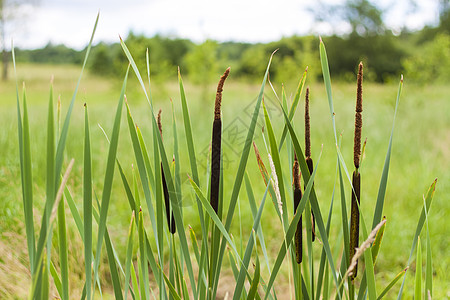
<point>140,208</point>
<point>85,105</point>
<point>401,78</point>
<point>306,70</point>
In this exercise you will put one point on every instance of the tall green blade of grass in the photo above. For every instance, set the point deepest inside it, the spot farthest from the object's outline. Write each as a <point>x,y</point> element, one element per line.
<point>60,154</point>
<point>249,249</point>
<point>194,170</point>
<point>241,169</point>
<point>142,245</point>
<point>45,283</point>
<point>65,128</point>
<point>327,82</point>
<point>176,155</point>
<point>255,282</point>
<point>418,277</point>
<point>56,278</point>
<point>36,279</point>
<point>322,266</point>
<point>214,217</point>
<point>139,150</point>
<point>50,174</point>
<point>259,232</point>
<point>312,198</point>
<point>171,188</point>
<point>294,105</point>
<point>113,268</point>
<point>27,183</point>
<point>129,255</point>
<point>87,204</point>
<point>293,225</point>
<point>391,284</point>
<point>429,261</point>
<point>277,164</point>
<point>109,174</point>
<point>428,199</point>
<point>26,188</point>
<point>159,205</point>
<point>384,176</point>
<point>63,251</point>
<point>383,183</point>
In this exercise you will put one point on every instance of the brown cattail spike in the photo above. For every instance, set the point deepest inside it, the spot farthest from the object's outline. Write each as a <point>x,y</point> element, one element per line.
<point>158,120</point>
<point>297,197</point>
<point>216,146</point>
<point>219,93</point>
<point>358,119</point>
<point>307,126</point>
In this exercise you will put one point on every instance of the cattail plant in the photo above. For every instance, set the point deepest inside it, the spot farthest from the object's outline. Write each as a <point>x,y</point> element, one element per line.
<point>296,175</point>
<point>308,159</point>
<point>356,179</point>
<point>216,144</point>
<point>169,215</point>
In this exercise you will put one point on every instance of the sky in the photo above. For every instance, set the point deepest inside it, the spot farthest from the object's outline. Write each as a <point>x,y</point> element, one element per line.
<point>70,22</point>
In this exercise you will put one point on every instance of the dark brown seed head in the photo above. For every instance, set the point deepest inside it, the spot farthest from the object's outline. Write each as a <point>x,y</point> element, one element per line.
<point>296,175</point>
<point>359,88</point>
<point>358,120</point>
<point>158,120</point>
<point>307,126</point>
<point>219,93</point>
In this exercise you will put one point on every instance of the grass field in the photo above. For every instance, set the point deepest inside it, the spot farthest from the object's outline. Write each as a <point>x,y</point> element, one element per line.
<point>420,154</point>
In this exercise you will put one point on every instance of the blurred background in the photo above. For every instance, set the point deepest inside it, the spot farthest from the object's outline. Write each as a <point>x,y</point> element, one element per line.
<point>390,37</point>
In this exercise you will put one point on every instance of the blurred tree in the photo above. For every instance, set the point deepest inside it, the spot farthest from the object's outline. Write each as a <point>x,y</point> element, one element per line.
<point>444,15</point>
<point>431,63</point>
<point>363,17</point>
<point>202,62</point>
<point>10,10</point>
<point>202,65</point>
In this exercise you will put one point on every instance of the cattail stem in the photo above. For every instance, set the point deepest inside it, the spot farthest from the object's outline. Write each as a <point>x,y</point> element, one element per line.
<point>216,144</point>
<point>169,215</point>
<point>297,197</point>
<point>354,218</point>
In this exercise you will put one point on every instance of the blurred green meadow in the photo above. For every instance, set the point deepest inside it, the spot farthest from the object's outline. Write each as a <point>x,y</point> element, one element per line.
<point>421,153</point>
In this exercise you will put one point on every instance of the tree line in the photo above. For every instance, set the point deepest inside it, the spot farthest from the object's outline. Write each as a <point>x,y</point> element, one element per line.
<point>423,55</point>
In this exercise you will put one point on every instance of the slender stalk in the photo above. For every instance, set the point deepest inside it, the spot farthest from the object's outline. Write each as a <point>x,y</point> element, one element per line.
<point>356,178</point>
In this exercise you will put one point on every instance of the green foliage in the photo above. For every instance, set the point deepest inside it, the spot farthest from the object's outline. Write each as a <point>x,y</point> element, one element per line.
<point>380,55</point>
<point>54,54</point>
<point>202,62</point>
<point>432,64</point>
